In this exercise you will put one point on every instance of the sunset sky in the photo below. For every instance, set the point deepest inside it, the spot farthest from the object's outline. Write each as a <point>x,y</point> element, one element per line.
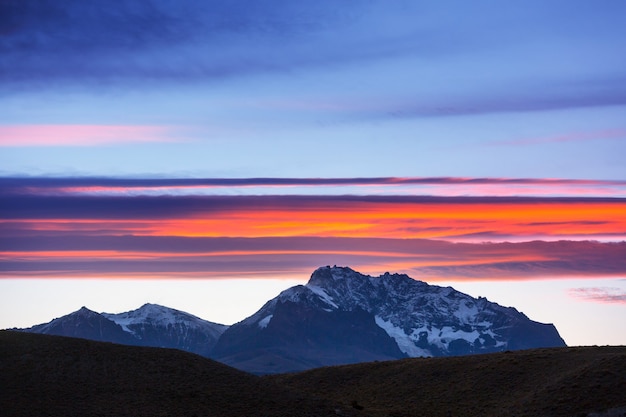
<point>205,155</point>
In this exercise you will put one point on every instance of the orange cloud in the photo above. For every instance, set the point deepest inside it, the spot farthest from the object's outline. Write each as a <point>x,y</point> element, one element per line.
<point>454,220</point>
<point>208,236</point>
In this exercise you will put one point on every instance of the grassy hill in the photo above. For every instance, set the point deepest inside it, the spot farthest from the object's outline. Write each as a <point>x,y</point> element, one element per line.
<point>44,375</point>
<point>555,382</point>
<point>49,375</point>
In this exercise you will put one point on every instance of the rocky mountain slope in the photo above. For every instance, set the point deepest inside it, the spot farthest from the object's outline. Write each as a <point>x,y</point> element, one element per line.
<point>342,316</point>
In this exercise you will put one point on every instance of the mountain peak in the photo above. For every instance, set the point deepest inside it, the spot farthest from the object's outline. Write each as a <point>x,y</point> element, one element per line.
<point>328,275</point>
<point>86,324</point>
<point>153,309</point>
<point>152,313</point>
<point>84,311</point>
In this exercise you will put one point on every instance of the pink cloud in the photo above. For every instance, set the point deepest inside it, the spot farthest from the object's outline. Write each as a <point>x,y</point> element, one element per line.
<point>568,137</point>
<point>609,295</point>
<point>80,135</point>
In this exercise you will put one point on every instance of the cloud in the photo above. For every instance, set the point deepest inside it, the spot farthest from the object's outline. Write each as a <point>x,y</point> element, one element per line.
<point>80,135</point>
<point>172,256</point>
<point>547,97</point>
<point>128,43</point>
<point>614,134</point>
<point>605,295</point>
<point>451,218</point>
<point>155,39</point>
<point>443,186</point>
<point>55,227</point>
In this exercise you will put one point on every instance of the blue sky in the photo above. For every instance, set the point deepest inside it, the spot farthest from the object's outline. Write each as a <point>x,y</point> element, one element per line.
<point>278,88</point>
<point>440,92</point>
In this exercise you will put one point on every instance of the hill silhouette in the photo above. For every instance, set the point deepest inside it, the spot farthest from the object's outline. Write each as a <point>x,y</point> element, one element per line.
<point>54,375</point>
<point>567,382</point>
<point>60,376</point>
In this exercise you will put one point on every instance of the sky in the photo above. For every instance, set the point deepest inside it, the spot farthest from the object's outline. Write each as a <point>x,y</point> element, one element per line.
<point>205,155</point>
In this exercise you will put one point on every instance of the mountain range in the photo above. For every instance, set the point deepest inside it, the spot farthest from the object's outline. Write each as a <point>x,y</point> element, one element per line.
<point>339,317</point>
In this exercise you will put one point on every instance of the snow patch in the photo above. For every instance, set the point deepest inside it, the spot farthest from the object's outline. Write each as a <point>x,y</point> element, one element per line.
<point>155,315</point>
<point>466,311</point>
<point>323,295</point>
<point>405,342</point>
<point>123,320</point>
<point>265,321</point>
<point>448,334</point>
<point>441,337</point>
<point>293,294</point>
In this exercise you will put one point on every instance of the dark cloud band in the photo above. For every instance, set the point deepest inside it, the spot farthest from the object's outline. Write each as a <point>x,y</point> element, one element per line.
<point>154,207</point>
<point>77,256</point>
<point>27,185</point>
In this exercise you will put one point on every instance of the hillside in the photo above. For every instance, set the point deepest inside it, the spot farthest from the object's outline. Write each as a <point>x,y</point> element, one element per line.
<point>52,375</point>
<point>60,376</point>
<point>568,382</point>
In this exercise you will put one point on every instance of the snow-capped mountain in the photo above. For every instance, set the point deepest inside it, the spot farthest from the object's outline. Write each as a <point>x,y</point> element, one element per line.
<point>429,320</point>
<point>298,331</point>
<point>342,316</point>
<point>149,325</point>
<point>155,325</point>
<point>85,324</point>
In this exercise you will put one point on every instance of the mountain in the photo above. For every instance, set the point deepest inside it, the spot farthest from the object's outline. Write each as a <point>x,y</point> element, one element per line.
<point>85,324</point>
<point>149,325</point>
<point>341,316</point>
<point>158,326</point>
<point>297,331</point>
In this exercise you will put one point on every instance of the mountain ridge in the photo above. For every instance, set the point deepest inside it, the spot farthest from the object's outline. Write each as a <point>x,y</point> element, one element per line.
<point>339,316</point>
<point>150,325</point>
<point>156,325</point>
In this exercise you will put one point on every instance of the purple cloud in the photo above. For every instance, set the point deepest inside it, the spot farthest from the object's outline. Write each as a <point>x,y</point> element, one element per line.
<point>75,255</point>
<point>76,185</point>
<point>17,206</point>
<point>608,295</point>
